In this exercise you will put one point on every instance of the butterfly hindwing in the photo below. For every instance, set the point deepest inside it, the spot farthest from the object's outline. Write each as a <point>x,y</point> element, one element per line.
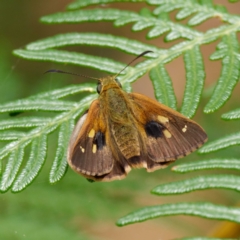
<point>168,134</point>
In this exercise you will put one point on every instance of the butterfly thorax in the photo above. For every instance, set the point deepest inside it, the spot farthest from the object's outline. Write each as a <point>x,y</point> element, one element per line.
<point>115,106</point>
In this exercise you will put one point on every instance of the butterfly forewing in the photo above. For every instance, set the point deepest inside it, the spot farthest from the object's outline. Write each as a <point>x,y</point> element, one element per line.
<point>88,153</point>
<point>168,134</point>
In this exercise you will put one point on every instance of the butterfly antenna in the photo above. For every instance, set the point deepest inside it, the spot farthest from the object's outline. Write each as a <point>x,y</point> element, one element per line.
<point>140,55</point>
<point>60,71</point>
<point>81,75</point>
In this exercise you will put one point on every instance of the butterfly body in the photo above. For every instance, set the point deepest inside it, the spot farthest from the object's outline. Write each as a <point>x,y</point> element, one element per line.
<point>123,130</point>
<point>120,122</point>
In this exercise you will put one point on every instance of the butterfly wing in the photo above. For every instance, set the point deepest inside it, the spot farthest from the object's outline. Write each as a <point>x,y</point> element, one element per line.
<point>167,134</point>
<point>164,135</point>
<point>89,152</point>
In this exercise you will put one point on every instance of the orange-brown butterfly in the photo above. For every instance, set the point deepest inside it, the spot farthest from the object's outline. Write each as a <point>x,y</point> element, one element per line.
<point>121,131</point>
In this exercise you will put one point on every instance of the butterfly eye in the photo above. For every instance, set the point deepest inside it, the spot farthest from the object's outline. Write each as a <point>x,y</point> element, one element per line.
<point>119,84</point>
<point>99,87</point>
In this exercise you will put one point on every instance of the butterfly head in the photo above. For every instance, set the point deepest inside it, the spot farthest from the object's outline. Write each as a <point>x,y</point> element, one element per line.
<point>106,83</point>
<point>112,81</point>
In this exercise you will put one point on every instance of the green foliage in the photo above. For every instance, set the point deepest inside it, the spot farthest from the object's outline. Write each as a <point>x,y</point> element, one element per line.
<point>228,52</point>
<point>16,176</point>
<point>234,114</point>
<point>195,79</point>
<point>84,3</point>
<point>163,86</point>
<point>197,183</point>
<point>229,163</point>
<point>224,142</point>
<point>38,135</point>
<point>202,209</point>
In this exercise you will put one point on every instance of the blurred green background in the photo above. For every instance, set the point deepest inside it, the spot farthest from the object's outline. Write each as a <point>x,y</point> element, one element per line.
<point>75,208</point>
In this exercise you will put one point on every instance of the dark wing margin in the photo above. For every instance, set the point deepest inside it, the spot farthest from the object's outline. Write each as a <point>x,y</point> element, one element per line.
<point>168,135</point>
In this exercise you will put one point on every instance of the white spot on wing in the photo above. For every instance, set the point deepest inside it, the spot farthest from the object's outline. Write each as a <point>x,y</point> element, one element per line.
<point>185,128</point>
<point>162,119</point>
<point>82,149</point>
<point>94,148</point>
<point>167,134</point>
<point>91,133</point>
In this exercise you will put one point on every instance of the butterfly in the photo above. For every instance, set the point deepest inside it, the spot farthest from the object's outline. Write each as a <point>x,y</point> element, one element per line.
<point>121,131</point>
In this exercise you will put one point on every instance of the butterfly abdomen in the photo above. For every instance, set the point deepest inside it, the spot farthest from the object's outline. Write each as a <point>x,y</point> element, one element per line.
<point>121,123</point>
<point>126,138</point>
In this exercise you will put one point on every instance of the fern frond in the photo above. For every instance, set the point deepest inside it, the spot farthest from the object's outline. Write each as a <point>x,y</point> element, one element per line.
<point>202,209</point>
<point>79,59</point>
<point>229,163</point>
<point>12,167</point>
<point>221,143</point>
<point>59,166</point>
<point>37,105</point>
<point>33,166</point>
<point>23,122</point>
<point>11,135</point>
<point>132,73</point>
<point>38,136</point>
<point>195,76</point>
<point>92,15</point>
<point>229,75</point>
<point>93,39</point>
<point>164,56</point>
<point>85,3</point>
<point>121,18</point>
<point>198,183</point>
<point>162,83</point>
<point>66,91</point>
<point>232,115</point>
<point>189,7</point>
